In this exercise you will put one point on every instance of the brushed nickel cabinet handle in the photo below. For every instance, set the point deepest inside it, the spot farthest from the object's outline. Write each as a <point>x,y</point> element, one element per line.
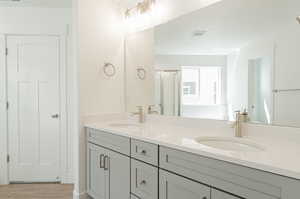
<point>101,161</point>
<point>106,163</point>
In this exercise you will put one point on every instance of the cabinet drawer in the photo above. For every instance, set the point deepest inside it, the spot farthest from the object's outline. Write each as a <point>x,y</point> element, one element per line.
<point>242,181</point>
<point>144,151</point>
<point>108,140</point>
<point>144,180</point>
<point>172,186</point>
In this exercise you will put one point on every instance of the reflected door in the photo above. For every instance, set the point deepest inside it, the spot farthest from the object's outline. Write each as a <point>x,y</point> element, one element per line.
<point>260,90</point>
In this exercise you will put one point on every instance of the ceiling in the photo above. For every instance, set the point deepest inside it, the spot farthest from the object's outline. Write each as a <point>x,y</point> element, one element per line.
<point>127,3</point>
<point>230,25</point>
<point>37,3</point>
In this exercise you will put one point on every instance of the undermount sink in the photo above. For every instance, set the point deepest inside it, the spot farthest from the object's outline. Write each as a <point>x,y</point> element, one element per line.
<point>123,125</point>
<point>230,144</point>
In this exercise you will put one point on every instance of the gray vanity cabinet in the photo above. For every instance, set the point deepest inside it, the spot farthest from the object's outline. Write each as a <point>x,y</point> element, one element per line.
<point>215,194</point>
<point>98,178</point>
<point>172,186</point>
<point>108,174</point>
<point>119,167</point>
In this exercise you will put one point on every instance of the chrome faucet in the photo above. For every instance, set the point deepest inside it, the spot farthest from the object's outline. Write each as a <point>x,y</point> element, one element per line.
<point>141,114</point>
<point>150,111</point>
<point>240,118</point>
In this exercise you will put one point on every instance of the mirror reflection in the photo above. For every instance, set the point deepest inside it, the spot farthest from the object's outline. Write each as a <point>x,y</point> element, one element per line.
<point>230,56</point>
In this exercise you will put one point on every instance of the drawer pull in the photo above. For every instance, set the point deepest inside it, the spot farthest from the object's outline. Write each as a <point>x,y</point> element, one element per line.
<point>101,161</point>
<point>143,182</point>
<point>143,152</point>
<point>204,197</point>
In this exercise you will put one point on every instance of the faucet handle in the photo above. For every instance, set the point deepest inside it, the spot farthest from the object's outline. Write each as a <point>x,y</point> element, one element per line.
<point>151,106</point>
<point>151,111</point>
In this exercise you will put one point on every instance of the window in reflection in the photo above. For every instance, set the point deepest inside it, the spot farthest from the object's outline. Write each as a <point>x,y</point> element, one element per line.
<point>201,85</point>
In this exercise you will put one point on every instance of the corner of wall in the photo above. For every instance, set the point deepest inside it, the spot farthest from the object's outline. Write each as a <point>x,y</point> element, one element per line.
<point>82,195</point>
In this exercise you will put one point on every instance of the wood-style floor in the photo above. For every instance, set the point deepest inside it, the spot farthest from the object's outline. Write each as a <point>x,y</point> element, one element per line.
<point>36,191</point>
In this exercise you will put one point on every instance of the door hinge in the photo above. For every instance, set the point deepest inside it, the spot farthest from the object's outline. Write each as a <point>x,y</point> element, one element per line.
<point>7,158</point>
<point>6,51</point>
<point>7,105</point>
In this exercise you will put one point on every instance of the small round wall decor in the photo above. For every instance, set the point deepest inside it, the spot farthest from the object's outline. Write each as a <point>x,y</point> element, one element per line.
<point>109,69</point>
<point>141,73</point>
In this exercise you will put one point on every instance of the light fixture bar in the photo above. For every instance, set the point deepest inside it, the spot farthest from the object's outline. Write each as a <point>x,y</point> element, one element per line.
<point>140,8</point>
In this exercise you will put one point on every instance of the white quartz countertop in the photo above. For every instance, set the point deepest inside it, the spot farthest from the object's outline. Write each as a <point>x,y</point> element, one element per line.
<point>280,156</point>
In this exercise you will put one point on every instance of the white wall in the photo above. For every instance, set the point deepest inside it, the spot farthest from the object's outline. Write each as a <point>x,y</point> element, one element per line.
<point>190,60</point>
<point>282,49</point>
<point>41,16</point>
<point>28,15</point>
<point>237,73</point>
<point>100,39</point>
<point>139,54</point>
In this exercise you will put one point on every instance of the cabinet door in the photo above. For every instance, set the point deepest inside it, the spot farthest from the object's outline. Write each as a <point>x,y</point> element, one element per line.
<point>119,173</point>
<point>97,177</point>
<point>215,194</point>
<point>175,187</point>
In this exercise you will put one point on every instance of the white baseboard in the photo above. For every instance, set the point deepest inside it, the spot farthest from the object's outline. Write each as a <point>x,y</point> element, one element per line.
<point>82,195</point>
<point>67,179</point>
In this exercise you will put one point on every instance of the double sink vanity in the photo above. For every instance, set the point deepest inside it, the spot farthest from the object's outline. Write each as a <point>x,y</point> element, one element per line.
<point>169,158</point>
<point>228,61</point>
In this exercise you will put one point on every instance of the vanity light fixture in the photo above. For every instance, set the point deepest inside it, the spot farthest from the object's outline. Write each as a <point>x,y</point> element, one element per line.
<point>140,8</point>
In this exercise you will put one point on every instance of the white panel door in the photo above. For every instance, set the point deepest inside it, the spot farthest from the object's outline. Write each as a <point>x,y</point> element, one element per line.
<point>34,108</point>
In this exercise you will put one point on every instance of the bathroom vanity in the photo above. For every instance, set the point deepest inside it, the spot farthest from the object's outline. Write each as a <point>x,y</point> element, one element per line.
<point>123,162</point>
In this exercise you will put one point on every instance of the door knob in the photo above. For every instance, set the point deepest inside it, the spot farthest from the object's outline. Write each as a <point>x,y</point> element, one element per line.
<point>55,116</point>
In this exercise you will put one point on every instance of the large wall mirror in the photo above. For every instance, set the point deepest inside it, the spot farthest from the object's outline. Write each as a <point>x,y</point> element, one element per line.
<point>229,56</point>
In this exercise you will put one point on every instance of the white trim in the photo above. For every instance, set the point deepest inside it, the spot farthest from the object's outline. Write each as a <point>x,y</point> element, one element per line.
<point>20,29</point>
<point>61,32</point>
<point>3,113</point>
<point>82,195</point>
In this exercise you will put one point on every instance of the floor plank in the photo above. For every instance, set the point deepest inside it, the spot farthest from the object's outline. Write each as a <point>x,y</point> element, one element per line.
<point>36,191</point>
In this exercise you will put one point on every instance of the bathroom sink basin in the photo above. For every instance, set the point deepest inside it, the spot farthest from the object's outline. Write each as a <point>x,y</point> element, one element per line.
<point>123,125</point>
<point>230,144</point>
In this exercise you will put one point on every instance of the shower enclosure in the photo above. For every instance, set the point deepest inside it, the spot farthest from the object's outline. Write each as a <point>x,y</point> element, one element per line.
<point>168,91</point>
